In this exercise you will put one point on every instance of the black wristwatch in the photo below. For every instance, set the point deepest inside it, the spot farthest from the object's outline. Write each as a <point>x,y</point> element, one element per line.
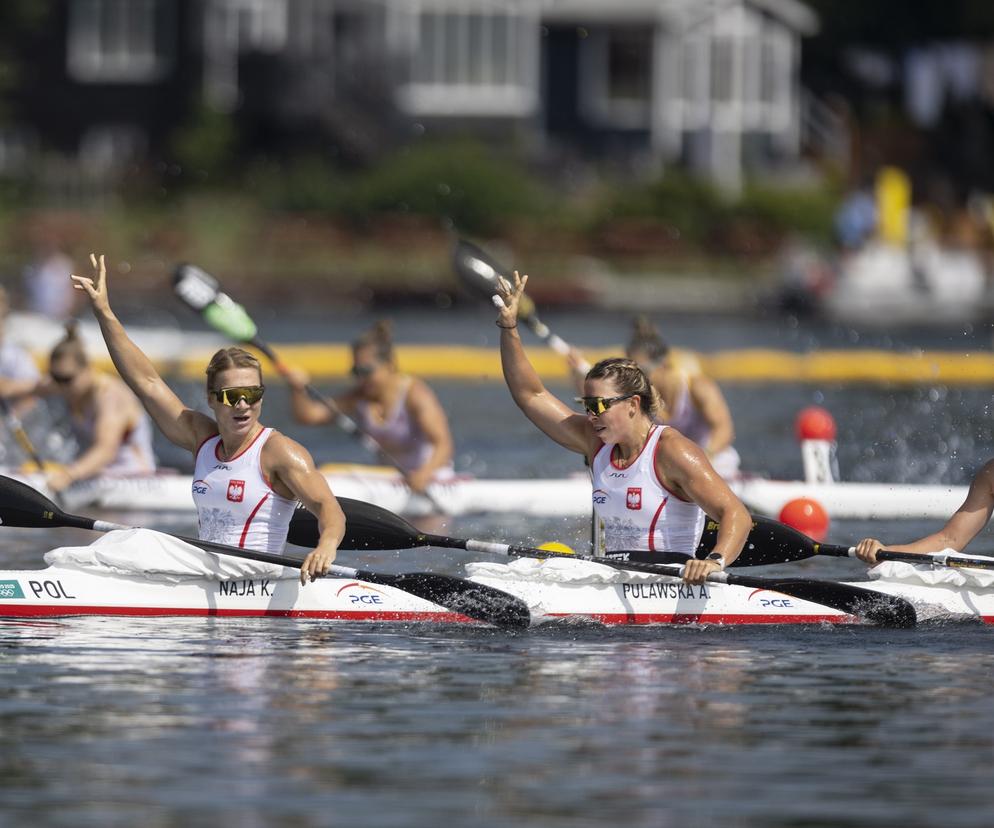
<point>718,558</point>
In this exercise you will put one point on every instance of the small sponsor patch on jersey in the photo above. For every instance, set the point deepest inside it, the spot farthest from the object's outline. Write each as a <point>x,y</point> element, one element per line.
<point>634,499</point>
<point>236,491</point>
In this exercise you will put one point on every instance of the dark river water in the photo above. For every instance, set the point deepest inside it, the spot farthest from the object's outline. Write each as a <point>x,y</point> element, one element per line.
<point>288,722</point>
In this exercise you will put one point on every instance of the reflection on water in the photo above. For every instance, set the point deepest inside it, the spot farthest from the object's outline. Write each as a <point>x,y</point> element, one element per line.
<point>270,721</point>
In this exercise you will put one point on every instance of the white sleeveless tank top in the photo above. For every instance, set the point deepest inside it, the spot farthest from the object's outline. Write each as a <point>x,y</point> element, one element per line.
<point>634,511</point>
<point>235,503</point>
<point>690,423</point>
<point>135,454</point>
<point>399,434</point>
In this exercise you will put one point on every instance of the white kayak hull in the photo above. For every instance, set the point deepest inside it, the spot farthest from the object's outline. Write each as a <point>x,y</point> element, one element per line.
<point>562,497</point>
<point>62,591</point>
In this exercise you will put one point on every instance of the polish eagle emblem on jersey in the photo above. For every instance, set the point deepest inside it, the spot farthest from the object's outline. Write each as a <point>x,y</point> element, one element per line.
<point>236,490</point>
<point>634,499</point>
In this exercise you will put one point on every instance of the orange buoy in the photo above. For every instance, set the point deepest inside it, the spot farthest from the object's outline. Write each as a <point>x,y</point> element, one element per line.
<point>806,515</point>
<point>815,423</point>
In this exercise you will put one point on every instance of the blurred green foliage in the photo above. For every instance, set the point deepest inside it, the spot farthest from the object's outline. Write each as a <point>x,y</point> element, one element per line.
<point>460,183</point>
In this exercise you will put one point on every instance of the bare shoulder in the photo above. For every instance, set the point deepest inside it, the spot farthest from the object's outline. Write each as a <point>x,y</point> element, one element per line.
<point>419,388</point>
<point>676,449</point>
<point>282,452</point>
<point>701,385</point>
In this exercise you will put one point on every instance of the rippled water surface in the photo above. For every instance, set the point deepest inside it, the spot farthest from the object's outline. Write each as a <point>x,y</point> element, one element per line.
<point>286,722</point>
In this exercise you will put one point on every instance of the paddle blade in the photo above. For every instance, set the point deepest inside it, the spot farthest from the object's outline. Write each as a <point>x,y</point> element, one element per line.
<point>366,527</point>
<point>195,286</point>
<point>875,607</point>
<point>230,318</point>
<point>25,507</point>
<point>769,542</point>
<point>476,601</point>
<point>202,292</point>
<point>476,269</point>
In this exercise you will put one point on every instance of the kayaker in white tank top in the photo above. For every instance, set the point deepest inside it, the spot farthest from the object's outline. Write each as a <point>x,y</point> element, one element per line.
<point>113,432</point>
<point>618,426</point>
<point>257,474</point>
<point>235,503</point>
<point>399,433</point>
<point>399,411</point>
<point>690,421</point>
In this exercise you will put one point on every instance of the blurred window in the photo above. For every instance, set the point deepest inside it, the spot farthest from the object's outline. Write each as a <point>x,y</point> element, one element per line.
<point>120,41</point>
<point>473,63</point>
<point>616,77</point>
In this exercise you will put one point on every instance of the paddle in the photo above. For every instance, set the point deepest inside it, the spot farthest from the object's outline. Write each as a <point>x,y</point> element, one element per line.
<point>479,272</point>
<point>381,529</point>
<point>769,541</point>
<point>23,506</point>
<point>21,436</point>
<point>956,561</point>
<point>202,292</point>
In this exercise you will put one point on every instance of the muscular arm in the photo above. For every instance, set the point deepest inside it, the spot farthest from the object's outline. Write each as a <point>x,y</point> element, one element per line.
<point>683,466</point>
<point>965,524</point>
<point>291,469</point>
<point>181,425</point>
<point>708,399</point>
<point>110,426</point>
<point>427,412</point>
<point>550,414</point>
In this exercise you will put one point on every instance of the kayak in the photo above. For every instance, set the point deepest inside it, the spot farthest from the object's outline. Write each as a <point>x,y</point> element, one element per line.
<point>111,578</point>
<point>534,497</point>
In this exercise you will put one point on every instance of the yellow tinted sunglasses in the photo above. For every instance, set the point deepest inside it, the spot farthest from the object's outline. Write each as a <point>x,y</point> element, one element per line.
<point>230,396</point>
<point>598,405</point>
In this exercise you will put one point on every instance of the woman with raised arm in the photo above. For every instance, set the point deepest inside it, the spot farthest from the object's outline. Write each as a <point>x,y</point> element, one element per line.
<point>689,401</point>
<point>397,410</point>
<point>651,485</point>
<point>247,478</point>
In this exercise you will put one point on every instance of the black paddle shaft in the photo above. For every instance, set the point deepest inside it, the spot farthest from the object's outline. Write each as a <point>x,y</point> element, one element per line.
<point>370,527</point>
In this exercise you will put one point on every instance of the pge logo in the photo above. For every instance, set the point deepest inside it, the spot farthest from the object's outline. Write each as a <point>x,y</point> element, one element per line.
<point>774,599</point>
<point>236,491</point>
<point>362,594</point>
<point>600,497</point>
<point>200,486</point>
<point>634,499</point>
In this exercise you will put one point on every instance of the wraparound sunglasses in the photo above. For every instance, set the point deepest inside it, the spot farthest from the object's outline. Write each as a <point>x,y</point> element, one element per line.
<point>598,405</point>
<point>230,396</point>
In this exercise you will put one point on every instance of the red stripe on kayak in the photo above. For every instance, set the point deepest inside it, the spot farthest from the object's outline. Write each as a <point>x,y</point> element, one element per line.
<point>704,618</point>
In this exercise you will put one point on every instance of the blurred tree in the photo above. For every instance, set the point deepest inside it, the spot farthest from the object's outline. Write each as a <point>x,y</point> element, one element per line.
<point>205,147</point>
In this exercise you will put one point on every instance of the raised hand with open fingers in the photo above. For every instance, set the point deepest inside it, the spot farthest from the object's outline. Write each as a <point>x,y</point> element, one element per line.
<point>96,285</point>
<point>510,295</point>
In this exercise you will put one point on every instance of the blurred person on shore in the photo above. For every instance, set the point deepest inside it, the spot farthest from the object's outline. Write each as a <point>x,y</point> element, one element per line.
<point>47,286</point>
<point>690,402</point>
<point>18,374</point>
<point>399,411</point>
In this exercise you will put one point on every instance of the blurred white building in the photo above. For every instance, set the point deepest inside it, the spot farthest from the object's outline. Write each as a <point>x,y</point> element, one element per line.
<point>709,84</point>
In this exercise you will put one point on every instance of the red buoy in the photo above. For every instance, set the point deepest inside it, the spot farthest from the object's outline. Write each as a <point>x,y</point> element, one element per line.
<point>806,515</point>
<point>815,423</point>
